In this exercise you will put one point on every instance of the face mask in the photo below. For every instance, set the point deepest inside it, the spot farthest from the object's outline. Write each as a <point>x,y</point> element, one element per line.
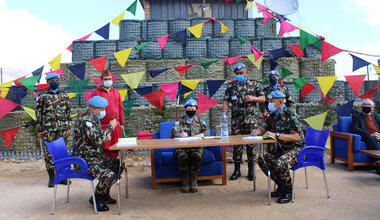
<point>107,83</point>
<point>54,85</point>
<point>102,114</point>
<point>271,107</point>
<point>240,78</point>
<point>190,113</point>
<point>366,109</point>
<point>273,81</point>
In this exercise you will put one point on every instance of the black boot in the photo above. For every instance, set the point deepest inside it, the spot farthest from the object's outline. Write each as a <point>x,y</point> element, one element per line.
<point>286,197</point>
<point>193,184</point>
<point>100,204</point>
<point>108,199</point>
<point>51,178</point>
<point>236,174</point>
<point>185,184</point>
<point>279,191</point>
<point>250,171</point>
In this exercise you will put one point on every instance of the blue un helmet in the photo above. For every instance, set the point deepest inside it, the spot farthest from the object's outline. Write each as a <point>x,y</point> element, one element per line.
<point>98,102</point>
<point>191,102</point>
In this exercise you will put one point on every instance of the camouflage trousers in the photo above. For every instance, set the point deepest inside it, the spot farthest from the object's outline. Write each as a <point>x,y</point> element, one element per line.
<point>279,162</point>
<point>238,149</point>
<point>189,160</point>
<point>49,137</point>
<point>105,169</point>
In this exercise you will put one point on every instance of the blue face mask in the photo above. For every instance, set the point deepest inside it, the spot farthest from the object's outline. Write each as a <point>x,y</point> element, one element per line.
<point>107,83</point>
<point>102,114</point>
<point>273,81</point>
<point>240,78</point>
<point>271,107</point>
<point>54,85</point>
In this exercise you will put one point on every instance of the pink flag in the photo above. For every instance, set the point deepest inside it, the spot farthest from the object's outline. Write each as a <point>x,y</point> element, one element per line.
<point>205,102</point>
<point>261,8</point>
<point>355,83</point>
<point>6,106</point>
<point>211,19</point>
<point>98,80</point>
<point>70,48</point>
<point>162,41</point>
<point>369,94</point>
<point>99,63</point>
<point>256,52</point>
<point>231,60</point>
<point>297,50</point>
<point>87,95</point>
<point>267,15</point>
<point>141,135</point>
<point>170,89</point>
<point>35,94</point>
<point>59,72</point>
<point>286,28</point>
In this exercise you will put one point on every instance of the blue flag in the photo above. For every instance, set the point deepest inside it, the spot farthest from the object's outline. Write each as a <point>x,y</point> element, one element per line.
<point>79,70</point>
<point>183,89</point>
<point>17,93</point>
<point>38,71</point>
<point>182,36</point>
<point>144,90</point>
<point>104,31</point>
<point>157,72</point>
<point>344,110</point>
<point>272,64</point>
<point>277,53</point>
<point>358,63</point>
<point>214,85</point>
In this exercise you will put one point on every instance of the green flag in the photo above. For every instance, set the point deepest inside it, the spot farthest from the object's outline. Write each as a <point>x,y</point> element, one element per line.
<point>132,8</point>
<point>238,1</point>
<point>318,45</point>
<point>127,105</point>
<point>208,63</point>
<point>307,39</point>
<point>30,82</point>
<point>241,40</point>
<point>299,83</point>
<point>77,86</point>
<point>141,46</point>
<point>317,121</point>
<point>285,72</point>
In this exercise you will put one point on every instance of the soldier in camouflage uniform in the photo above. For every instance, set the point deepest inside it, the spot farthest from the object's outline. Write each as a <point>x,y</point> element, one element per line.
<point>189,159</point>
<point>283,125</point>
<point>53,119</point>
<point>244,96</point>
<point>89,138</point>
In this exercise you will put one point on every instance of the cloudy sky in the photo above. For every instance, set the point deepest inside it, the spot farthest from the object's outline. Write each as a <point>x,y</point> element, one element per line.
<point>35,31</point>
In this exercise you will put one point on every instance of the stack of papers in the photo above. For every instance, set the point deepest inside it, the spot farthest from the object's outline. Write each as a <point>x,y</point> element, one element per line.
<point>256,138</point>
<point>126,142</point>
<point>188,139</point>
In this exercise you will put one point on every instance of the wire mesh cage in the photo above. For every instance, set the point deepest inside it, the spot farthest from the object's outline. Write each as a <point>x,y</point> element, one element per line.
<point>207,30</point>
<point>105,48</point>
<point>196,48</point>
<point>265,30</point>
<point>173,50</point>
<point>82,51</point>
<point>245,28</point>
<point>130,30</point>
<point>218,48</point>
<point>122,45</point>
<point>157,29</point>
<point>229,23</point>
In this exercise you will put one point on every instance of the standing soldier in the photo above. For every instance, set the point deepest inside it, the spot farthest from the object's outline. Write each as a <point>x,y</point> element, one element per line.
<point>89,138</point>
<point>53,119</point>
<point>189,159</point>
<point>244,96</point>
<point>283,125</point>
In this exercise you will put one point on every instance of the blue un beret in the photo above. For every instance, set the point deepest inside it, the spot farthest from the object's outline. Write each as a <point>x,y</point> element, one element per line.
<point>273,72</point>
<point>276,95</point>
<point>191,102</point>
<point>98,102</point>
<point>52,76</point>
<point>239,66</point>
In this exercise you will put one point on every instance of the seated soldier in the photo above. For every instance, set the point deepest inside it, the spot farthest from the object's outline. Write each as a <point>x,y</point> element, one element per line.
<point>189,159</point>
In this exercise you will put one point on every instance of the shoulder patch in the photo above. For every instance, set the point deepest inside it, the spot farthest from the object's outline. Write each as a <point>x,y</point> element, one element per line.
<point>176,123</point>
<point>89,124</point>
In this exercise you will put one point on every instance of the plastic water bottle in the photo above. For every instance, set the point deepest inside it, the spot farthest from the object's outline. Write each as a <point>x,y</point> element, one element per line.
<point>224,125</point>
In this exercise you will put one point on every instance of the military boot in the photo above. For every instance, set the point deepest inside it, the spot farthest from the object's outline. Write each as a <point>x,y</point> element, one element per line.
<point>193,184</point>
<point>250,171</point>
<point>185,184</point>
<point>286,196</point>
<point>279,191</point>
<point>51,178</point>
<point>108,199</point>
<point>100,204</point>
<point>236,174</point>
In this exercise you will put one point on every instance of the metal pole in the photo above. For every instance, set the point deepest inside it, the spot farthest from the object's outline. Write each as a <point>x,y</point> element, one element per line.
<point>1,72</point>
<point>368,72</point>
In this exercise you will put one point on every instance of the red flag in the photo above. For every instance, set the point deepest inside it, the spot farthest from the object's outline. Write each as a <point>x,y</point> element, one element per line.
<point>182,69</point>
<point>306,89</point>
<point>297,50</point>
<point>35,94</point>
<point>355,83</point>
<point>141,135</point>
<point>17,81</point>
<point>331,99</point>
<point>9,135</point>
<point>42,87</point>
<point>162,41</point>
<point>170,89</point>
<point>329,50</point>
<point>99,63</point>
<point>156,98</point>
<point>6,106</point>
<point>231,60</point>
<point>205,102</point>
<point>87,95</point>
<point>369,94</point>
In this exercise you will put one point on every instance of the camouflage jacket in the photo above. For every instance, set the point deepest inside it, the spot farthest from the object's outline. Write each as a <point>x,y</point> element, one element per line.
<point>198,126</point>
<point>288,99</point>
<point>286,122</point>
<point>53,111</point>
<point>89,137</point>
<point>243,112</point>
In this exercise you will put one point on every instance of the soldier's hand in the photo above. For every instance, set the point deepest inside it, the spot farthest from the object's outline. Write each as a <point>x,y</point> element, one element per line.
<point>248,98</point>
<point>183,134</point>
<point>270,134</point>
<point>266,114</point>
<point>254,132</point>
<point>113,123</point>
<point>39,134</point>
<point>200,135</point>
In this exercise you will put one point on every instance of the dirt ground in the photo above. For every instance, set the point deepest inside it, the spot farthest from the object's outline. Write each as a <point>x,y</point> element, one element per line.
<point>354,195</point>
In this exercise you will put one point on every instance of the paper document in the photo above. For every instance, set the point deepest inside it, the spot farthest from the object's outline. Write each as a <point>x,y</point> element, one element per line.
<point>212,137</point>
<point>188,139</point>
<point>256,138</point>
<point>125,142</point>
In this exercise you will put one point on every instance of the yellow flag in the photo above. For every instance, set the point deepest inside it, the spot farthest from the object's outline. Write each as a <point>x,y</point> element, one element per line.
<point>123,93</point>
<point>56,62</point>
<point>133,79</point>
<point>304,29</point>
<point>249,5</point>
<point>191,84</point>
<point>30,112</point>
<point>196,30</point>
<point>326,82</point>
<point>6,85</point>
<point>122,56</point>
<point>317,121</point>
<point>255,62</point>
<point>223,29</point>
<point>377,68</point>
<point>117,20</point>
<point>71,95</point>
<point>4,92</point>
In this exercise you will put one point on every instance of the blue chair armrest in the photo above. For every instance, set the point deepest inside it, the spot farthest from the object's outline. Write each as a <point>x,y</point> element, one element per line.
<point>156,135</point>
<point>355,141</point>
<point>66,162</point>
<point>336,127</point>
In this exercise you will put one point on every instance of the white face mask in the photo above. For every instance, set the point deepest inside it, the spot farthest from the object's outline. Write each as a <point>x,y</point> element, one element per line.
<point>107,83</point>
<point>271,107</point>
<point>102,114</point>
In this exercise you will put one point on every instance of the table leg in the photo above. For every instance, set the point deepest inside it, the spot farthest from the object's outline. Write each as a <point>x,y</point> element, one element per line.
<point>118,182</point>
<point>254,176</point>
<point>261,153</point>
<point>269,195</point>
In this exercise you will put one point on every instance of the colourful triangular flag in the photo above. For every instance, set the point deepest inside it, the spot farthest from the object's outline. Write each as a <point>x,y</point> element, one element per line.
<point>241,40</point>
<point>306,89</point>
<point>369,94</point>
<point>329,50</point>
<point>162,41</point>
<point>214,85</point>
<point>207,64</point>
<point>144,90</point>
<point>182,36</point>
<point>344,110</point>
<point>59,72</point>
<point>78,70</point>
<point>117,20</point>
<point>260,7</point>
<point>257,52</point>
<point>297,50</point>
<point>70,48</point>
<point>267,15</point>
<point>326,82</point>
<point>329,98</point>
<point>132,8</point>
<point>255,62</point>
<point>127,105</point>
<point>6,85</point>
<point>358,63</point>
<point>277,53</point>
<point>191,84</point>
<point>286,28</point>
<point>377,68</point>
<point>273,64</point>
<point>122,56</point>
<point>55,63</point>
<point>87,95</point>
<point>30,82</point>
<point>9,135</point>
<point>133,79</point>
<point>231,60</point>
<point>30,112</point>
<point>104,31</point>
<point>285,72</point>
<point>123,93</point>
<point>299,83</point>
<point>42,87</point>
<point>156,98</point>
<point>17,81</point>
<point>154,73</point>
<point>249,5</point>
<point>196,30</point>
<point>141,46</point>
<point>99,63</point>
<point>182,69</point>
<point>317,121</point>
<point>77,86</point>
<point>6,106</point>
<point>71,95</point>
<point>205,102</point>
<point>307,39</point>
<point>17,93</point>
<point>170,89</point>
<point>223,28</point>
<point>355,83</point>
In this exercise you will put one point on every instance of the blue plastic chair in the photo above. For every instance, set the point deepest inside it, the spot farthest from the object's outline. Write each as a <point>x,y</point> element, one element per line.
<point>62,163</point>
<point>312,154</point>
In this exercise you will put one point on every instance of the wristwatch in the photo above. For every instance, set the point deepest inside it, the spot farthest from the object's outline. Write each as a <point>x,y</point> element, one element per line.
<point>277,135</point>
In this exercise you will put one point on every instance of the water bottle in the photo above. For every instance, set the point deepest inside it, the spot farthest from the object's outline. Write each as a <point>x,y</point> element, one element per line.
<point>224,125</point>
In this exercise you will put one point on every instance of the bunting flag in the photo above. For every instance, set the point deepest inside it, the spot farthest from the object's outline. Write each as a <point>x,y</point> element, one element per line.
<point>122,56</point>
<point>156,98</point>
<point>231,60</point>
<point>182,69</point>
<point>6,85</point>
<point>196,30</point>
<point>330,98</point>
<point>183,89</point>
<point>307,39</point>
<point>377,68</point>
<point>170,89</point>
<point>38,72</point>
<point>317,121</point>
<point>77,86</point>
<point>257,52</point>
<point>154,73</point>
<point>42,87</point>
<point>344,110</point>
<point>214,85</point>
<point>123,93</point>
<point>369,94</point>
<point>211,19</point>
<point>9,135</point>
<point>3,92</point>
<point>319,44</point>
<point>59,72</point>
<point>285,72</point>
<point>35,94</point>
<point>72,95</point>
<point>6,106</point>
<point>17,93</point>
<point>241,40</point>
<point>182,36</point>
<point>30,112</point>
<point>133,79</point>
<point>78,70</point>
<point>260,7</point>
<point>238,1</point>
<point>98,80</point>
<point>306,89</point>
<point>132,8</point>
<point>141,46</point>
<point>207,64</point>
<point>30,82</point>
<point>355,83</point>
<point>267,15</point>
<point>70,48</point>
<point>104,31</point>
<point>144,135</point>
<point>255,62</point>
<point>280,17</point>
<point>299,83</point>
<point>191,84</point>
<point>17,81</point>
<point>223,28</point>
<point>162,41</point>
<point>87,95</point>
<point>358,62</point>
<point>127,105</point>
<point>329,50</point>
<point>297,50</point>
<point>277,53</point>
<point>249,5</point>
<point>326,82</point>
<point>55,63</point>
<point>205,102</point>
<point>117,20</point>
<point>99,63</point>
<point>144,90</point>
<point>286,28</point>
<point>273,64</point>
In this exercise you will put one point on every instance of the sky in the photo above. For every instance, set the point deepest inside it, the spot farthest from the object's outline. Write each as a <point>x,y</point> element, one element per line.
<point>34,32</point>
